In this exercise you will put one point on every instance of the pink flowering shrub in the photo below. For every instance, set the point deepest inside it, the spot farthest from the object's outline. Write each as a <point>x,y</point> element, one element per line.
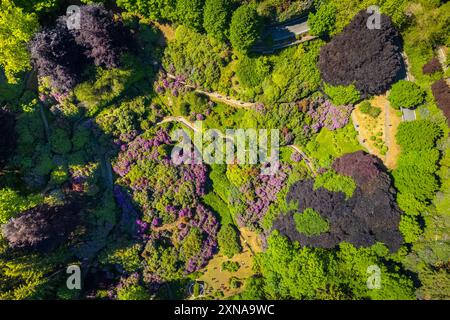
<point>168,197</point>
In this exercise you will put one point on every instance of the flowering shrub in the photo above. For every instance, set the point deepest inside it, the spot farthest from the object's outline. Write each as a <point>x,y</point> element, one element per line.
<point>258,192</point>
<point>325,114</point>
<point>168,195</point>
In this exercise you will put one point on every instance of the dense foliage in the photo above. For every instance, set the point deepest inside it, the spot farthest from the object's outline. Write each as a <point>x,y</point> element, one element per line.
<point>42,228</point>
<point>244,28</point>
<point>441,93</point>
<point>406,94</point>
<point>16,29</point>
<point>8,137</point>
<point>369,216</point>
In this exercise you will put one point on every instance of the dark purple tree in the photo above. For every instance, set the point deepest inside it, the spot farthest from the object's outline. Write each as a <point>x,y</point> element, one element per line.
<point>42,228</point>
<point>55,54</point>
<point>103,38</point>
<point>369,58</point>
<point>441,93</point>
<point>432,66</point>
<point>7,136</point>
<point>371,215</point>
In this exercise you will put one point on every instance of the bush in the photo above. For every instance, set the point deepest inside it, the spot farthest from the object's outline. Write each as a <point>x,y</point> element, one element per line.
<point>190,13</point>
<point>342,95</point>
<point>323,22</point>
<point>310,223</point>
<point>217,18</point>
<point>367,108</point>
<point>16,30</point>
<point>229,242</point>
<point>406,94</point>
<point>432,66</point>
<point>369,59</point>
<point>441,93</point>
<point>230,266</point>
<point>252,71</point>
<point>244,28</point>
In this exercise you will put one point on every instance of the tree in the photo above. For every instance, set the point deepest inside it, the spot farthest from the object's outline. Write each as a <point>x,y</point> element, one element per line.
<point>16,30</point>
<point>369,59</point>
<point>56,55</point>
<point>322,23</point>
<point>244,28</point>
<point>190,13</point>
<point>342,95</point>
<point>12,203</point>
<point>103,38</point>
<point>153,9</point>
<point>310,223</point>
<point>406,94</point>
<point>418,135</point>
<point>229,243</point>
<point>43,228</point>
<point>441,93</point>
<point>370,215</point>
<point>216,18</point>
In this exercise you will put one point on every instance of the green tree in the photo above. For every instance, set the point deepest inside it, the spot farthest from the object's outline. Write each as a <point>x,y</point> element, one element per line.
<point>333,181</point>
<point>310,223</point>
<point>153,9</point>
<point>12,203</point>
<point>244,28</point>
<point>16,30</point>
<point>342,95</point>
<point>410,228</point>
<point>216,19</point>
<point>406,94</point>
<point>229,243</point>
<point>190,13</point>
<point>323,22</point>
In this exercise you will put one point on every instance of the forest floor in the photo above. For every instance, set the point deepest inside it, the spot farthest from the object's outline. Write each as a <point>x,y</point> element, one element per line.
<point>218,279</point>
<point>384,128</point>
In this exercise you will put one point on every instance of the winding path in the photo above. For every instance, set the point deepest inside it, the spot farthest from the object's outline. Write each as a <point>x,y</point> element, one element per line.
<point>215,96</point>
<point>190,125</point>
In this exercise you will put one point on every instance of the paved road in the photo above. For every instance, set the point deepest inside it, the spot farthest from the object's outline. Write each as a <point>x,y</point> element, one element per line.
<point>408,114</point>
<point>288,30</point>
<point>284,35</point>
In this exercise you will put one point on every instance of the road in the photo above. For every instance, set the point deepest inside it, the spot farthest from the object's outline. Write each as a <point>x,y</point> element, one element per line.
<point>284,35</point>
<point>408,114</point>
<point>288,30</point>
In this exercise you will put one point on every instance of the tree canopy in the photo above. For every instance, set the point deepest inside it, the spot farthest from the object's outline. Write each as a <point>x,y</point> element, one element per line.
<point>16,30</point>
<point>372,59</point>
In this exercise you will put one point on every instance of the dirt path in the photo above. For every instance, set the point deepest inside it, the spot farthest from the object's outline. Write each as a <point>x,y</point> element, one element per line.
<point>215,96</point>
<point>442,57</point>
<point>305,158</point>
<point>190,125</point>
